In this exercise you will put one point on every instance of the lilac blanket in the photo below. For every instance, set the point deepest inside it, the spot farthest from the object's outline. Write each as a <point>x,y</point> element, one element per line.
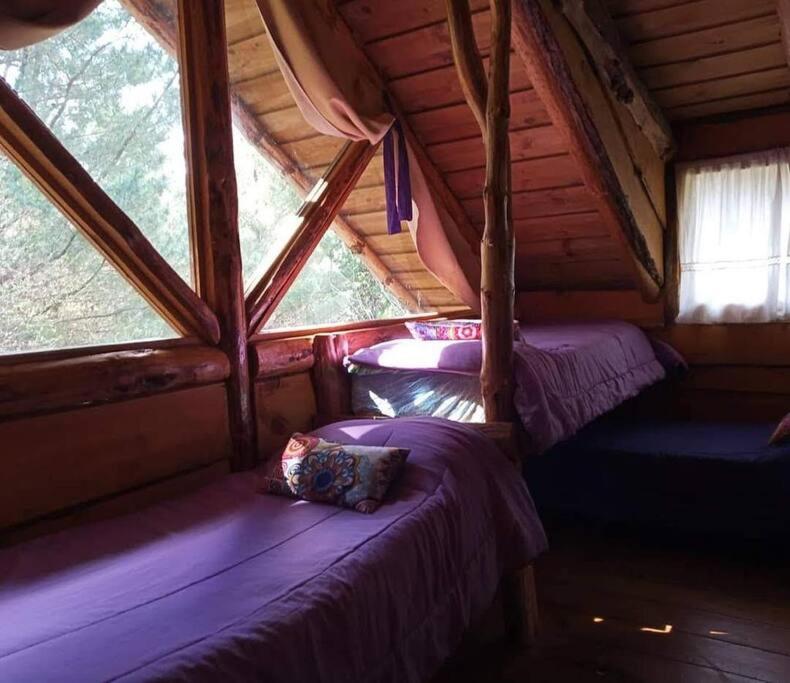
<point>227,584</point>
<point>566,374</point>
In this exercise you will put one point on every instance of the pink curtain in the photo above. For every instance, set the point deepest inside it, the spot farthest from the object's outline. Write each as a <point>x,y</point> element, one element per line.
<point>25,22</point>
<point>341,95</point>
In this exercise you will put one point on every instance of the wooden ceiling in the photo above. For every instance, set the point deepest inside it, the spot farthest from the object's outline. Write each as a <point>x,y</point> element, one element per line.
<point>275,121</point>
<point>697,59</point>
<point>706,57</point>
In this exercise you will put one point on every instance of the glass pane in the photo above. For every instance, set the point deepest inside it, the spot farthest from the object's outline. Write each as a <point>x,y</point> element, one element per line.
<point>267,209</point>
<point>334,287</point>
<point>56,290</point>
<point>110,93</point>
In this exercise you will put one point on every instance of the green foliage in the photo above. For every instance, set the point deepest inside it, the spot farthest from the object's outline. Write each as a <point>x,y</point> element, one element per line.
<point>110,93</point>
<point>334,287</point>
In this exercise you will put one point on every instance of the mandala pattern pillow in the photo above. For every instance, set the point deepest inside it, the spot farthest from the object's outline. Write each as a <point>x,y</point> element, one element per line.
<point>356,477</point>
<point>445,330</point>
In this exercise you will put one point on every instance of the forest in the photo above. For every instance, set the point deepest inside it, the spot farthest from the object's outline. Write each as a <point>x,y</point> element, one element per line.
<point>110,93</point>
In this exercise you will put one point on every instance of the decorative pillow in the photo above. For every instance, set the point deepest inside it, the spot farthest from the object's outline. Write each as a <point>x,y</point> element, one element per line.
<point>451,330</point>
<point>782,433</point>
<point>322,471</point>
<point>431,330</point>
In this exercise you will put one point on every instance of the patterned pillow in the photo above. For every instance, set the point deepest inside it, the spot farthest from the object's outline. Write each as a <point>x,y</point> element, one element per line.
<point>431,330</point>
<point>782,433</point>
<point>322,471</point>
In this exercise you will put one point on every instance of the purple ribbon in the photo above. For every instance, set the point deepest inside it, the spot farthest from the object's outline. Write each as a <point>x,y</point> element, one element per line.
<point>397,186</point>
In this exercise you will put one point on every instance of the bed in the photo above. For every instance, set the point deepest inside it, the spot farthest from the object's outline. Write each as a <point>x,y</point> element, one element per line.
<point>231,584</point>
<point>566,375</point>
<point>714,479</point>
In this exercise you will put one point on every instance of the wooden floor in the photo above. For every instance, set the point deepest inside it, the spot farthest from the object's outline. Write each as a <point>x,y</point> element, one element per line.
<point>617,609</point>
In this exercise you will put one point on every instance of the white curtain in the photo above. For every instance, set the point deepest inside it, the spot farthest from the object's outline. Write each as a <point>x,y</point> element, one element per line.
<point>734,234</point>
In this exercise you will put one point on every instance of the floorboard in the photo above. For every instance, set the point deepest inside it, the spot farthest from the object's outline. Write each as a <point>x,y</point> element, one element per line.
<point>626,607</point>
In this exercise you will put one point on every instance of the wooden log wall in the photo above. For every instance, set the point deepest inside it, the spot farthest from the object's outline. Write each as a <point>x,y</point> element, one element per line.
<point>738,372</point>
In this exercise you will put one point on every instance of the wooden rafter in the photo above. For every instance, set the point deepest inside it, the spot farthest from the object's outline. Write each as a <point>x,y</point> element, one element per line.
<point>596,29</point>
<point>315,216</point>
<point>160,22</point>
<point>213,202</point>
<point>43,158</point>
<point>612,160</point>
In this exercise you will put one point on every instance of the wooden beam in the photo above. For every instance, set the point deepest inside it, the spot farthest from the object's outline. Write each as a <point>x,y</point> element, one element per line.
<point>270,359</point>
<point>468,62</point>
<point>159,20</point>
<point>315,216</point>
<point>43,158</point>
<point>497,289</point>
<point>616,162</point>
<point>597,30</point>
<point>213,202</point>
<point>42,386</point>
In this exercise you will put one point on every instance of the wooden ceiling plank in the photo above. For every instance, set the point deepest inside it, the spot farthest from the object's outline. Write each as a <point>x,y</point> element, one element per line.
<point>599,34</point>
<point>251,58</point>
<point>691,16</point>
<point>539,203</point>
<point>43,158</point>
<point>424,48</point>
<point>529,143</point>
<point>596,134</point>
<point>440,87</point>
<point>718,66</point>
<point>706,43</point>
<point>527,174</point>
<point>760,100</point>
<point>559,227</point>
<point>377,20</point>
<point>456,121</point>
<point>735,86</point>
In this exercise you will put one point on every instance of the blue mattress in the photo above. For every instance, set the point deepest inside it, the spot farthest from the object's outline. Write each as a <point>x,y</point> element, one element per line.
<point>711,478</point>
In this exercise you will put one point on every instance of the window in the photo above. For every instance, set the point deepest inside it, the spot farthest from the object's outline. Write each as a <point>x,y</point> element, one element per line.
<point>267,209</point>
<point>334,287</point>
<point>56,290</point>
<point>734,239</point>
<point>110,93</point>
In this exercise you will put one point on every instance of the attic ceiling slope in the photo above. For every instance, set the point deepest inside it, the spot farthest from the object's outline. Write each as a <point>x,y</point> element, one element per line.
<point>269,118</point>
<point>562,240</point>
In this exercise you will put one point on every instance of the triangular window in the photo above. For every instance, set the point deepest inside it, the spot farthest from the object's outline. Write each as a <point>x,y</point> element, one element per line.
<point>335,286</point>
<point>110,93</point>
<point>56,290</point>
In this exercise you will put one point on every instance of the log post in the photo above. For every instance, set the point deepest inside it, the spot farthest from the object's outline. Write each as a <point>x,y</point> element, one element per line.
<point>330,380</point>
<point>497,290</point>
<point>213,202</point>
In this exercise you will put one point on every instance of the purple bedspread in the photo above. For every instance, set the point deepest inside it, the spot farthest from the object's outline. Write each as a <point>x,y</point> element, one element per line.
<point>227,584</point>
<point>569,374</point>
<point>566,374</point>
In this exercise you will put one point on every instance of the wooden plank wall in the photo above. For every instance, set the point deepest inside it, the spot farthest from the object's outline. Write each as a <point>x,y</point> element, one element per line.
<point>124,424</point>
<point>737,371</point>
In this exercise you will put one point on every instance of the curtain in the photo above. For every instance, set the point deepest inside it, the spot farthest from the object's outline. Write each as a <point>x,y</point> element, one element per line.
<point>734,234</point>
<point>341,95</point>
<point>25,22</point>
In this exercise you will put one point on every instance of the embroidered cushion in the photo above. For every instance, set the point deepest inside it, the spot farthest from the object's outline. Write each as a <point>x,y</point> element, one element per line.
<point>352,476</point>
<point>782,432</point>
<point>430,330</point>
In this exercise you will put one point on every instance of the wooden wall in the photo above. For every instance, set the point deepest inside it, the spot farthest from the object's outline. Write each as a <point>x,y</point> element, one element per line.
<point>737,371</point>
<point>79,432</point>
